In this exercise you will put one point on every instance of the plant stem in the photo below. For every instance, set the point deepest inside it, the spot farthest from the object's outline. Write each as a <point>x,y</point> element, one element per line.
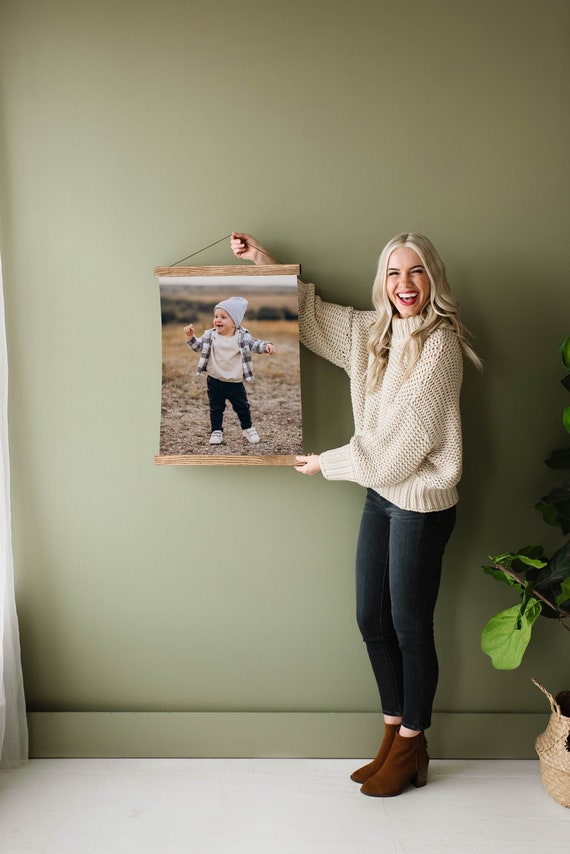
<point>512,574</point>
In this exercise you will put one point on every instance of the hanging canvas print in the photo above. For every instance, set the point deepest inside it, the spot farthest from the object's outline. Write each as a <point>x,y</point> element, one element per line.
<point>231,390</point>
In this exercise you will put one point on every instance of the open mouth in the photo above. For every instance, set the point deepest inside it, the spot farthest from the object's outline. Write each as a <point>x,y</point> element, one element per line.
<point>408,297</point>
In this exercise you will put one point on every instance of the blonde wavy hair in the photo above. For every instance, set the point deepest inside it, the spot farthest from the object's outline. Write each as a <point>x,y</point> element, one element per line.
<point>441,308</point>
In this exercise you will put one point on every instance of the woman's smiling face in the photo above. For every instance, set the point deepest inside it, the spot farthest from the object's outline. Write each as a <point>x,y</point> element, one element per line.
<point>407,282</point>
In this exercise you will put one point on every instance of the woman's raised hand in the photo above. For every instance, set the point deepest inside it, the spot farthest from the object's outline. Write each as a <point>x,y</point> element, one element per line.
<point>245,246</point>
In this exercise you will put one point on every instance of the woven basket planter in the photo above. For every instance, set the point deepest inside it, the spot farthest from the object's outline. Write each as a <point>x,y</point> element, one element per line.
<point>553,748</point>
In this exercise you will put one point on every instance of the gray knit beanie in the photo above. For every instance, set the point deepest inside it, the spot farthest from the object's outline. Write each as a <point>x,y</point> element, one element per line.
<point>235,307</point>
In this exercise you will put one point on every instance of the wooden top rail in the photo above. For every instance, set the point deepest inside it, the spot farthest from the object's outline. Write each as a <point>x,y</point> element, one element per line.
<point>232,270</point>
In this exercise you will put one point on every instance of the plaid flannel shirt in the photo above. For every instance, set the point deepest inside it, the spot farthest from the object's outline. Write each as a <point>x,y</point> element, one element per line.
<point>246,343</point>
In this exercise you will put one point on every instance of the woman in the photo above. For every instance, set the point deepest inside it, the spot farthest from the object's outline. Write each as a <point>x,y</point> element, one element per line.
<point>405,363</point>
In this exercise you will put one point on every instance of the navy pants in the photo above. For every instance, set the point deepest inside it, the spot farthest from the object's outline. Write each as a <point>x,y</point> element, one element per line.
<point>398,570</point>
<point>218,393</point>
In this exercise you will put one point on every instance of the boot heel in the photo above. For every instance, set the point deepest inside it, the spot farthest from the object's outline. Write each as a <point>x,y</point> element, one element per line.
<point>420,777</point>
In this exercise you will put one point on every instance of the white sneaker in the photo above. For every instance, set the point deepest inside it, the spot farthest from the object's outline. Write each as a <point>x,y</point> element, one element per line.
<point>216,438</point>
<point>251,435</point>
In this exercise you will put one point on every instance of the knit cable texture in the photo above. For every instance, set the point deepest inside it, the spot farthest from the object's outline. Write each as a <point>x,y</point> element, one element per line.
<point>407,440</point>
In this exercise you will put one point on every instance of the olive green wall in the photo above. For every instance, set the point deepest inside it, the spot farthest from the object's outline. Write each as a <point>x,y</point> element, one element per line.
<point>134,133</point>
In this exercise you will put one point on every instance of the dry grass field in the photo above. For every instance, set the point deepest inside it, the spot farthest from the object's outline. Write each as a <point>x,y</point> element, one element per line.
<point>274,395</point>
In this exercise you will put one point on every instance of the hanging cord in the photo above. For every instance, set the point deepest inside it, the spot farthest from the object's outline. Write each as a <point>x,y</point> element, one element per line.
<point>227,237</point>
<point>215,243</point>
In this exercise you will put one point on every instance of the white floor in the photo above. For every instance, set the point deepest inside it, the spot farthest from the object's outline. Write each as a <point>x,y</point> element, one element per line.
<point>273,806</point>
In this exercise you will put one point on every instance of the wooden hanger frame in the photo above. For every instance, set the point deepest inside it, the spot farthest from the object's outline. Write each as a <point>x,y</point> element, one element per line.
<point>188,295</point>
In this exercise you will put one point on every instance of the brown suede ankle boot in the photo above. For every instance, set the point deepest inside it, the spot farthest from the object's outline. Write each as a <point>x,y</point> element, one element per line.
<point>361,775</point>
<point>407,762</point>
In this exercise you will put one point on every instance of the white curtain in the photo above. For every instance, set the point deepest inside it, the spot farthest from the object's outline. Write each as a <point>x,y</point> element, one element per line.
<point>13,726</point>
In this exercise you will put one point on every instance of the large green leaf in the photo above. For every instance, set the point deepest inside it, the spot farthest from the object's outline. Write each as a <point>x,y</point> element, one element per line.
<point>564,595</point>
<point>506,636</point>
<point>559,459</point>
<point>556,570</point>
<point>549,513</point>
<point>566,418</point>
<point>528,555</point>
<point>555,507</point>
<point>499,575</point>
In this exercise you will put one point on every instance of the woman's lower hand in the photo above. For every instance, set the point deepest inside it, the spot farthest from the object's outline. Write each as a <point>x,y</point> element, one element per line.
<point>309,464</point>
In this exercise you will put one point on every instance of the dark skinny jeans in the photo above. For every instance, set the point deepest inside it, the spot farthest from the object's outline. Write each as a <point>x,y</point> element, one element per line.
<point>398,570</point>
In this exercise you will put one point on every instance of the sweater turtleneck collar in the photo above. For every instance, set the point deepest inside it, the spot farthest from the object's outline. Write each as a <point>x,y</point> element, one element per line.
<point>402,327</point>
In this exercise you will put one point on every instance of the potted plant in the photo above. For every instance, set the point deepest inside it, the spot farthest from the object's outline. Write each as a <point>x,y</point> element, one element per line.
<point>543,586</point>
<point>542,583</point>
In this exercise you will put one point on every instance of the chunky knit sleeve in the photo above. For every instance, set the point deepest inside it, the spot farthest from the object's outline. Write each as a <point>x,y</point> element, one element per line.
<point>325,328</point>
<point>417,433</point>
<point>382,458</point>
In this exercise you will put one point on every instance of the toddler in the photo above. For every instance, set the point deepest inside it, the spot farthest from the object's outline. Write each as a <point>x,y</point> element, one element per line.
<point>226,359</point>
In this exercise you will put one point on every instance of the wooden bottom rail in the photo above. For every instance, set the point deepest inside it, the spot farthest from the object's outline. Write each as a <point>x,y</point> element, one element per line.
<point>226,460</point>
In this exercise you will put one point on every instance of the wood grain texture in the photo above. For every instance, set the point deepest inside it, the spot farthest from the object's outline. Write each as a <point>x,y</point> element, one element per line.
<point>232,270</point>
<point>228,460</point>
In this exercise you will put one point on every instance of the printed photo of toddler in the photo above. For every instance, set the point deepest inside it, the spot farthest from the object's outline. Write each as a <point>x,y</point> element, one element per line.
<point>226,350</point>
<point>223,402</point>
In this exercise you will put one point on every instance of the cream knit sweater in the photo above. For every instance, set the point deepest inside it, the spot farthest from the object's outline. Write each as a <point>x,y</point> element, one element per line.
<point>407,439</point>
